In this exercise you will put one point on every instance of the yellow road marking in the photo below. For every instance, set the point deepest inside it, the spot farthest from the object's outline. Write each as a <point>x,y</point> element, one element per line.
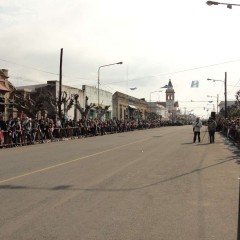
<point>68,162</point>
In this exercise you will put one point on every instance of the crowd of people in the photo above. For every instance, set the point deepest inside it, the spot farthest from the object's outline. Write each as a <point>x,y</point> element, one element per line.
<point>231,128</point>
<point>26,131</point>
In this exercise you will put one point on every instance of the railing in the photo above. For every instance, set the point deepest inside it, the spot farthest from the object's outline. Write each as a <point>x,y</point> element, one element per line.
<point>37,136</point>
<point>231,131</point>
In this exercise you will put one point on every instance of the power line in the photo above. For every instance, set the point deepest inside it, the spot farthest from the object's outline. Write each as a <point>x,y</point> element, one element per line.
<point>40,70</point>
<point>25,79</point>
<point>162,74</point>
<point>180,71</point>
<point>26,66</point>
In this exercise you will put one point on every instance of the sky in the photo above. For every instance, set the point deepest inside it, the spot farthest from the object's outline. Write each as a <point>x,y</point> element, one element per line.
<point>156,40</point>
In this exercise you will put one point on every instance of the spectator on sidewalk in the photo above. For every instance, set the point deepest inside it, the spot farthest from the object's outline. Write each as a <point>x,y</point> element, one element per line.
<point>35,127</point>
<point>42,129</point>
<point>27,127</point>
<point>237,130</point>
<point>1,137</point>
<point>58,128</point>
<point>3,124</point>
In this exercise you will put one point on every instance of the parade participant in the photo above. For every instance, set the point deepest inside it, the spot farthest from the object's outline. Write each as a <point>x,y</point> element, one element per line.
<point>196,130</point>
<point>212,125</point>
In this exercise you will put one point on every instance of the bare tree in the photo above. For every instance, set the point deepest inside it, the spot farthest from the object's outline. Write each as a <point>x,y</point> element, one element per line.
<point>31,104</point>
<point>43,99</point>
<point>237,95</point>
<point>102,111</point>
<point>88,107</point>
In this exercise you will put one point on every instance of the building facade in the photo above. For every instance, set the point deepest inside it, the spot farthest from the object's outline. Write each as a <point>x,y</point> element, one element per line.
<point>68,94</point>
<point>221,105</point>
<point>158,108</point>
<point>74,101</point>
<point>104,98</point>
<point>6,88</point>
<point>128,107</point>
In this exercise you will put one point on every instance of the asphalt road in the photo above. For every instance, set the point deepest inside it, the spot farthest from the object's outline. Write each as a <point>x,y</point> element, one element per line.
<point>143,185</point>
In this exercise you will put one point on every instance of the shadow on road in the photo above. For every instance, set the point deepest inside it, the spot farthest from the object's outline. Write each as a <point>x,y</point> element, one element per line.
<point>72,188</point>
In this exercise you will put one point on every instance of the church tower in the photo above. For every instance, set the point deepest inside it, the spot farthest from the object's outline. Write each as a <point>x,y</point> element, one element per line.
<point>170,96</point>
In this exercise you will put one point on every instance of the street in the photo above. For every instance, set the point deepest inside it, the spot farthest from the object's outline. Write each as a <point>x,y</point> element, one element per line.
<point>143,185</point>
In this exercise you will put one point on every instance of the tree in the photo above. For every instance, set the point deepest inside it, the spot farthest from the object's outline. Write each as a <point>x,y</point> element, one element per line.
<point>237,95</point>
<point>43,99</point>
<point>88,107</point>
<point>30,104</point>
<point>102,111</point>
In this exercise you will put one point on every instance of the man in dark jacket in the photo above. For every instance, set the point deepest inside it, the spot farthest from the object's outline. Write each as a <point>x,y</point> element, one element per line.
<point>212,125</point>
<point>3,124</point>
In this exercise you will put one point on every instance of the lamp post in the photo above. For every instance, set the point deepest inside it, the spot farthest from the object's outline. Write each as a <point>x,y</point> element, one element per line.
<point>225,92</point>
<point>213,107</point>
<point>229,5</point>
<point>151,100</point>
<point>99,76</point>
<point>217,100</point>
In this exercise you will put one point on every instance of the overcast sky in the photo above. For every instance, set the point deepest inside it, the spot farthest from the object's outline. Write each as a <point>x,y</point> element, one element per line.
<point>157,40</point>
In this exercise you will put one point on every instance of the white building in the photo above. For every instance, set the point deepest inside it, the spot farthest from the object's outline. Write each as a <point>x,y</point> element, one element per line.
<point>67,93</point>
<point>104,97</point>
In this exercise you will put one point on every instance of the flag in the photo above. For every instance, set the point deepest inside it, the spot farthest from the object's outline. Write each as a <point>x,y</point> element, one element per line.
<point>195,84</point>
<point>166,86</point>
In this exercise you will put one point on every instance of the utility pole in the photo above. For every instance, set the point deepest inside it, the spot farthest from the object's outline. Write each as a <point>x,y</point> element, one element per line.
<point>60,87</point>
<point>225,89</point>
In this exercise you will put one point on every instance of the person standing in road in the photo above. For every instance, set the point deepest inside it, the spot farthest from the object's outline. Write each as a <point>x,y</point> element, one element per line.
<point>196,130</point>
<point>212,125</point>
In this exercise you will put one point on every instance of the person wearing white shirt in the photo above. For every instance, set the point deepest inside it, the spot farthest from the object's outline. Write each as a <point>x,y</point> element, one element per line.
<point>196,130</point>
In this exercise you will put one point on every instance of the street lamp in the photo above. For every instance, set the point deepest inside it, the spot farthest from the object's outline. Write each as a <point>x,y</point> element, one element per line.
<point>225,91</point>
<point>99,76</point>
<point>229,5</point>
<point>198,101</point>
<point>217,100</point>
<point>151,100</point>
<point>213,107</point>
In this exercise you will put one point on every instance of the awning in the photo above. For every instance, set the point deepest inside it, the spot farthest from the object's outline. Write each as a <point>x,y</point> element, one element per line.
<point>131,106</point>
